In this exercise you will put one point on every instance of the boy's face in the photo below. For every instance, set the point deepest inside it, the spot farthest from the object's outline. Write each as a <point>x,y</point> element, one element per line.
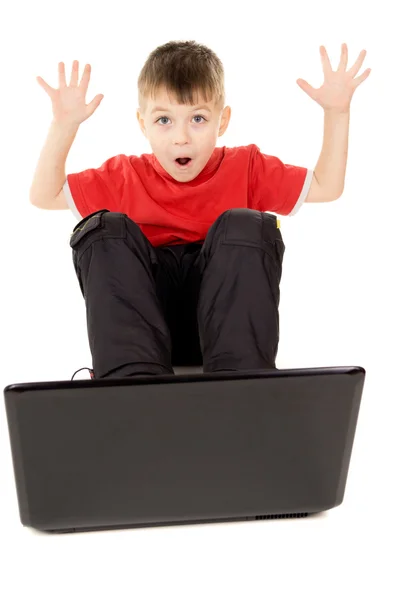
<point>182,130</point>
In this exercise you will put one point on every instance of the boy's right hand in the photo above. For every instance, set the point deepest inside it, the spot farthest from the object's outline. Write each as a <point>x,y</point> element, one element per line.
<point>69,102</point>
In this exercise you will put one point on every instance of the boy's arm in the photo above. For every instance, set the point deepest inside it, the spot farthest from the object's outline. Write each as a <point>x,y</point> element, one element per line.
<point>329,173</point>
<point>335,97</point>
<point>49,176</point>
<point>69,111</point>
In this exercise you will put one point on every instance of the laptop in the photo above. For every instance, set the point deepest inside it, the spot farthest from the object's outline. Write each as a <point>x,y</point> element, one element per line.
<point>182,449</point>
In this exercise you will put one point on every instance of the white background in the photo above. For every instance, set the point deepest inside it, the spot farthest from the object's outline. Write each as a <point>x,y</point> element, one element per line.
<point>338,291</point>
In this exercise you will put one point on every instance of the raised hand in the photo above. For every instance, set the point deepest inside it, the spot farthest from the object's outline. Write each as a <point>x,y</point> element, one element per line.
<point>339,86</point>
<point>69,102</point>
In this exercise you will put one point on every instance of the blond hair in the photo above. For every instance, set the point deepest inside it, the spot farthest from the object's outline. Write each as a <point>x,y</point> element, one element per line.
<point>186,70</point>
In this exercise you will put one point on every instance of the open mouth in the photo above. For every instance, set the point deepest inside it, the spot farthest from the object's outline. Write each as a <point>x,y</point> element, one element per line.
<point>183,162</point>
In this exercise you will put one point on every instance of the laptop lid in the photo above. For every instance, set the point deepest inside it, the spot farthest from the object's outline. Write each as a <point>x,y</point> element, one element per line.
<point>173,449</point>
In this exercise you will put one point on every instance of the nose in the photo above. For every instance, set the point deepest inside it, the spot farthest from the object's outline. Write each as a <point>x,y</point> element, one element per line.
<point>181,136</point>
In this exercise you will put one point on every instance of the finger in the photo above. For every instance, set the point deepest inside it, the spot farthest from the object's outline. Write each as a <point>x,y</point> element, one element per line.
<point>74,78</point>
<point>61,75</point>
<point>307,88</point>
<point>85,78</point>
<point>358,63</point>
<point>327,67</point>
<point>343,58</point>
<point>95,102</point>
<point>358,80</point>
<point>47,88</point>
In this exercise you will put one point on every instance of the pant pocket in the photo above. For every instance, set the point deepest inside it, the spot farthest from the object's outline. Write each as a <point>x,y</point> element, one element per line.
<point>93,221</point>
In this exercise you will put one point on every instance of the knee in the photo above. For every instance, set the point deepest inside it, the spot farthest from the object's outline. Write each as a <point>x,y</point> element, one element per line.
<point>241,225</point>
<point>117,221</point>
<point>233,217</point>
<point>242,214</point>
<point>100,224</point>
<point>108,218</point>
<point>245,227</point>
<point>241,219</point>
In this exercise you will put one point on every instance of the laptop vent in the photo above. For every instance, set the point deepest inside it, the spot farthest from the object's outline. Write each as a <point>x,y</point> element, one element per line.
<point>283,516</point>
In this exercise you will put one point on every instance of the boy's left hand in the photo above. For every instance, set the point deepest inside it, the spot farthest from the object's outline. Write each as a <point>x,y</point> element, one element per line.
<point>339,86</point>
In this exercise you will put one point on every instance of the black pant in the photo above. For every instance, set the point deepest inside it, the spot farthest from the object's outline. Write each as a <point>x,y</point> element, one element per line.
<point>213,303</point>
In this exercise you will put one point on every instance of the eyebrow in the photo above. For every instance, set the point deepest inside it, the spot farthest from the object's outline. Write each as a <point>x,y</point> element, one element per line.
<point>160,109</point>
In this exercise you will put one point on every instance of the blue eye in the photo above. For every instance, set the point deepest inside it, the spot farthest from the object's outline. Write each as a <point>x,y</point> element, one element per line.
<point>195,117</point>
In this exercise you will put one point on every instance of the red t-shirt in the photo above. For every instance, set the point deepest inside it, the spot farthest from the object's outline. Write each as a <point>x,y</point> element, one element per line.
<point>170,212</point>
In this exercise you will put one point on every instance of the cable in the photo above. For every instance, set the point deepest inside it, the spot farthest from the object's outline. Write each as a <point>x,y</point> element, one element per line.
<point>82,369</point>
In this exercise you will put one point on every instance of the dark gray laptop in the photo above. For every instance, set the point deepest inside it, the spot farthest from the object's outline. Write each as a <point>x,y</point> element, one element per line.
<point>179,449</point>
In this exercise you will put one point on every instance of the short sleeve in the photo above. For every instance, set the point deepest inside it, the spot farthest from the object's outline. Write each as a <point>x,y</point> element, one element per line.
<point>275,186</point>
<point>94,189</point>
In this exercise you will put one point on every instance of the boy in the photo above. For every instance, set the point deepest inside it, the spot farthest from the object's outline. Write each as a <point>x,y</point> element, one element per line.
<point>177,258</point>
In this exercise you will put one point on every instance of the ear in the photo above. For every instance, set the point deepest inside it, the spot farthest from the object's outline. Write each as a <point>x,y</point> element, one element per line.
<point>225,118</point>
<point>141,121</point>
